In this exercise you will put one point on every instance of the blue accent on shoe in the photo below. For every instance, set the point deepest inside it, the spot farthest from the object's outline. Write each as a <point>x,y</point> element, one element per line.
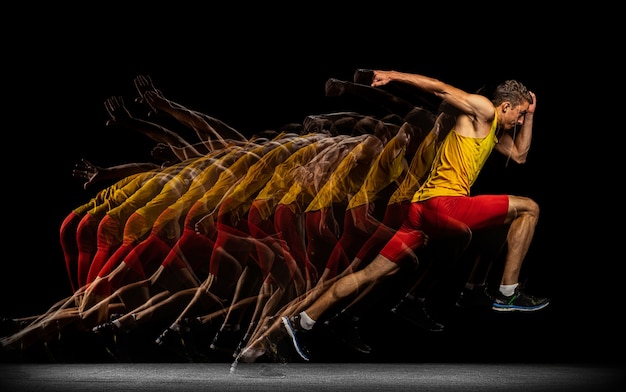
<point>518,302</point>
<point>291,331</point>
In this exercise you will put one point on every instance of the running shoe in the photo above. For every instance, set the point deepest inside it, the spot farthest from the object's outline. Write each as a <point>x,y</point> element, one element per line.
<point>252,351</point>
<point>414,311</point>
<point>292,326</point>
<point>106,330</point>
<point>225,340</point>
<point>518,302</point>
<point>108,334</point>
<point>175,343</point>
<point>477,299</point>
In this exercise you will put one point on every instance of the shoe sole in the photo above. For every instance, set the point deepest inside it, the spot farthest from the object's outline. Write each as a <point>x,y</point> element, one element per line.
<point>510,308</point>
<point>292,334</point>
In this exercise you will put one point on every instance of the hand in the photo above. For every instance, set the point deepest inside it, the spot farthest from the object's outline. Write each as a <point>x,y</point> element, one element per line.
<point>381,78</point>
<point>147,92</point>
<point>531,108</point>
<point>116,109</point>
<point>88,171</point>
<point>143,84</point>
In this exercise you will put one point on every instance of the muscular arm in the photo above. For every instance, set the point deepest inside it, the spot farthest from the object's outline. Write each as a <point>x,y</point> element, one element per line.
<point>206,127</point>
<point>477,111</point>
<point>387,101</point>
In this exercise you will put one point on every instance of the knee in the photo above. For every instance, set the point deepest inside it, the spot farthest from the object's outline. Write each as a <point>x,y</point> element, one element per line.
<point>535,209</point>
<point>461,238</point>
<point>531,208</point>
<point>523,207</point>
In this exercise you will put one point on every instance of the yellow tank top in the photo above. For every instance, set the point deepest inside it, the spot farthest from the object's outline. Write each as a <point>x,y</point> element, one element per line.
<point>418,170</point>
<point>344,181</point>
<point>457,164</point>
<point>386,168</point>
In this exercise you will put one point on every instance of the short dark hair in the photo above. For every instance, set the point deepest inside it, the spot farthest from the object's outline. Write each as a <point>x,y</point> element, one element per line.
<point>511,91</point>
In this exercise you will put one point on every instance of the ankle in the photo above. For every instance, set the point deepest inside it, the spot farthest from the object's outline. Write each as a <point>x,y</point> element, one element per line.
<point>306,322</point>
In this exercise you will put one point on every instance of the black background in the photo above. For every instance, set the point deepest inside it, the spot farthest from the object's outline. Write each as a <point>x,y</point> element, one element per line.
<point>259,67</point>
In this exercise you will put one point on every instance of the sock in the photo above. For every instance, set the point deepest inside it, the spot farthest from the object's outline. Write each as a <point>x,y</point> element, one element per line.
<point>305,321</point>
<point>128,324</point>
<point>508,289</point>
<point>117,324</point>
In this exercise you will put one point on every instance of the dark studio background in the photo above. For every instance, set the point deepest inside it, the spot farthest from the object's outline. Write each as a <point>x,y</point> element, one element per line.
<point>257,72</point>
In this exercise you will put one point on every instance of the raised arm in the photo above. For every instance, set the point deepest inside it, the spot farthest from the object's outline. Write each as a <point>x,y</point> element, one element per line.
<point>516,146</point>
<point>93,174</point>
<point>375,96</point>
<point>206,127</point>
<point>478,110</point>
<point>121,116</point>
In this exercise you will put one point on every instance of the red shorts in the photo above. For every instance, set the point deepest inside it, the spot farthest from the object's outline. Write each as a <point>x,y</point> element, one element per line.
<point>445,216</point>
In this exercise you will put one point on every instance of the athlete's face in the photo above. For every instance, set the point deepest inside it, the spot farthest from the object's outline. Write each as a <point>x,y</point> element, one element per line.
<point>514,115</point>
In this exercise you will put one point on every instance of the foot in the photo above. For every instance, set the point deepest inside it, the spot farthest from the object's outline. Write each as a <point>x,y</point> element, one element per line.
<point>294,330</point>
<point>174,342</point>
<point>476,299</point>
<point>414,311</point>
<point>226,340</point>
<point>115,316</point>
<point>242,343</point>
<point>252,351</point>
<point>108,332</point>
<point>518,302</point>
<point>264,342</point>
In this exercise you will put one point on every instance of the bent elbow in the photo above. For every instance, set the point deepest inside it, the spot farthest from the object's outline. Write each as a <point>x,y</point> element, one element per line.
<point>520,160</point>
